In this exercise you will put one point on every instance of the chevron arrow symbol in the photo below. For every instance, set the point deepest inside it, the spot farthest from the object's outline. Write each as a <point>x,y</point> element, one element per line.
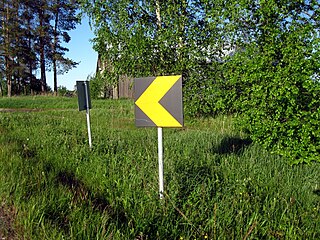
<point>149,102</point>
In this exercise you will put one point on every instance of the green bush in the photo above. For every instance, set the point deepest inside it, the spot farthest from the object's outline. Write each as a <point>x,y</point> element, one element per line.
<point>278,96</point>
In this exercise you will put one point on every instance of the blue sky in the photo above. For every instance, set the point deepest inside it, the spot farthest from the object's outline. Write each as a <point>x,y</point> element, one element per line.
<point>80,50</point>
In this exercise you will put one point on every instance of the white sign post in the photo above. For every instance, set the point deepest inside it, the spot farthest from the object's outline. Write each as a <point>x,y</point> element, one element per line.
<point>88,113</point>
<point>160,156</point>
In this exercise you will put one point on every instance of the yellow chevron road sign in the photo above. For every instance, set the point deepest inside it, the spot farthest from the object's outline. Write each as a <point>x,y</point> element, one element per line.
<point>158,101</point>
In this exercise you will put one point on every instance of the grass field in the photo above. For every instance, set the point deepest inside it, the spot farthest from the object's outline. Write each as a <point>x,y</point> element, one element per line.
<point>218,185</point>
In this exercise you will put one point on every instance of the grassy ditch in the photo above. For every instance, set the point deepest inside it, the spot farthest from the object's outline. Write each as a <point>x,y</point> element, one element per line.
<point>218,185</point>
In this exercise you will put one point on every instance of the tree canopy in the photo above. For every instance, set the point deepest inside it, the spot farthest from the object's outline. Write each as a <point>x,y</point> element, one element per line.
<point>256,59</point>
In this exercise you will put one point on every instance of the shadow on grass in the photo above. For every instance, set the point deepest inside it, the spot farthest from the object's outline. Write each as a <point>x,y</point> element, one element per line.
<point>23,148</point>
<point>84,196</point>
<point>230,145</point>
<point>191,176</point>
<point>317,192</point>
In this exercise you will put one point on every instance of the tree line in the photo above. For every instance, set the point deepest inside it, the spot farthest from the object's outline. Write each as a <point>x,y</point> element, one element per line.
<point>255,59</point>
<point>32,33</point>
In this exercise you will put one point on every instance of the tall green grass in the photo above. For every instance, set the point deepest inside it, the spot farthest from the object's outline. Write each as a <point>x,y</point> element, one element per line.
<point>218,185</point>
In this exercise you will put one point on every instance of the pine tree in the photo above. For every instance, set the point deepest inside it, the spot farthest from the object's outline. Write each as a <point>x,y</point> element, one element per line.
<point>29,52</point>
<point>7,37</point>
<point>44,38</point>
<point>64,19</point>
<point>31,37</point>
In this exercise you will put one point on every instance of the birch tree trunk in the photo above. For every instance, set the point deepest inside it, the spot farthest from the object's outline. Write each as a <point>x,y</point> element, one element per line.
<point>158,14</point>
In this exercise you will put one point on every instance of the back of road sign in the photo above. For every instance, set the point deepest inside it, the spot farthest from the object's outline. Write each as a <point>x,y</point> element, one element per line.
<point>83,93</point>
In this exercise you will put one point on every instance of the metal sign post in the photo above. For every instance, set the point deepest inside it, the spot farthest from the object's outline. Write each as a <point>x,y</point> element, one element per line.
<point>85,103</point>
<point>88,113</point>
<point>160,156</point>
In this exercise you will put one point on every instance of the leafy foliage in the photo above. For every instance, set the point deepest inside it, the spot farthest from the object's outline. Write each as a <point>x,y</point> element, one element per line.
<point>256,59</point>
<point>142,38</point>
<point>275,79</point>
<point>99,88</point>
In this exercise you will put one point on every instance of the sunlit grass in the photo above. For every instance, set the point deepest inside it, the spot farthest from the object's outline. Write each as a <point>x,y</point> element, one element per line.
<point>218,185</point>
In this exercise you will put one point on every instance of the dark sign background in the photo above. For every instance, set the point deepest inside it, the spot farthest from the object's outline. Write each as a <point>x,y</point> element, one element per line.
<point>82,95</point>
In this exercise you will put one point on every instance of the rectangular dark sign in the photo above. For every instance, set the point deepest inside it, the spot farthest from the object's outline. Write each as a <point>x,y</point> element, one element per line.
<point>83,92</point>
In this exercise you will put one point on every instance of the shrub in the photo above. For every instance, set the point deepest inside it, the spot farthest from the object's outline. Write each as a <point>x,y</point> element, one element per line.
<point>279,96</point>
